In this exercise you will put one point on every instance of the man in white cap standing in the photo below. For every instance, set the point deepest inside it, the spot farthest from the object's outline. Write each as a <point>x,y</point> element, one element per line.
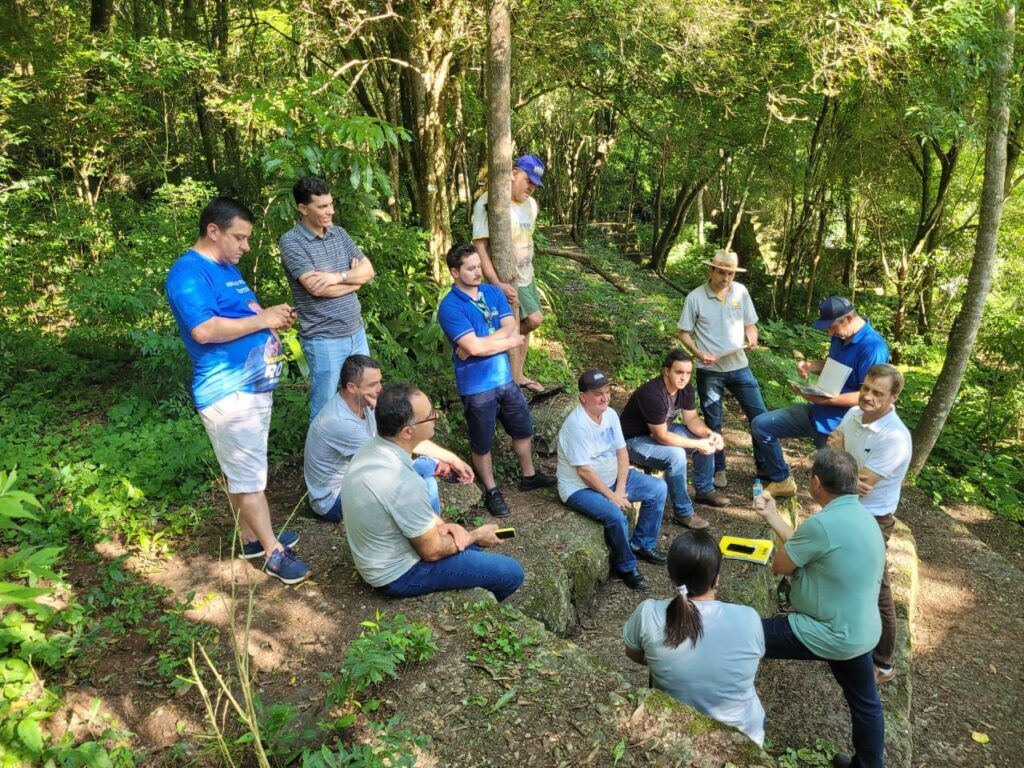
<point>718,323</point>
<point>527,174</point>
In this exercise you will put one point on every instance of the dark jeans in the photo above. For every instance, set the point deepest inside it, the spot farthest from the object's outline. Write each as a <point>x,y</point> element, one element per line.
<point>885,651</point>
<point>500,574</point>
<point>768,428</point>
<point>711,386</point>
<point>484,409</point>
<point>855,676</point>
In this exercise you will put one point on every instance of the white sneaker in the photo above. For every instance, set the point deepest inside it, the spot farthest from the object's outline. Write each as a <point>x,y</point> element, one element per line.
<point>721,481</point>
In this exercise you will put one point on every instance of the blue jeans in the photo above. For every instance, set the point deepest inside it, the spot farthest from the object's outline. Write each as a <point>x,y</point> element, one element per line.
<point>499,574</point>
<point>711,385</point>
<point>325,358</point>
<point>425,468</point>
<point>648,453</point>
<point>768,428</point>
<point>855,676</point>
<point>651,492</point>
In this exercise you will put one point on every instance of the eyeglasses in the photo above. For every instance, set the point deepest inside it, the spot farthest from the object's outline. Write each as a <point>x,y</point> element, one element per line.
<point>432,417</point>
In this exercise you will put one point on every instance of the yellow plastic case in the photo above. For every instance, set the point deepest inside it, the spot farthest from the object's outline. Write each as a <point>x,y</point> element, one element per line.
<point>750,550</point>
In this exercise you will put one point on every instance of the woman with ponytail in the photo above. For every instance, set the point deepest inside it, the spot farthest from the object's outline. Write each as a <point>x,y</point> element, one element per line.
<point>699,650</point>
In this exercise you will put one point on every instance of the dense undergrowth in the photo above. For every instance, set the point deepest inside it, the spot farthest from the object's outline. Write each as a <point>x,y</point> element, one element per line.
<point>99,432</point>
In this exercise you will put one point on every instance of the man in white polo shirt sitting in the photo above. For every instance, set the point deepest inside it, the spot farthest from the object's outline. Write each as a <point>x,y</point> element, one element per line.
<point>874,435</point>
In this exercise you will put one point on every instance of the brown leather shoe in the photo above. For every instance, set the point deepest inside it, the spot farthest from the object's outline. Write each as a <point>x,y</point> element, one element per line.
<point>694,522</point>
<point>884,676</point>
<point>712,499</point>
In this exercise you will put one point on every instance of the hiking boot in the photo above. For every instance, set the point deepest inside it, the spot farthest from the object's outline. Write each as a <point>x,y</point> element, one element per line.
<point>284,565</point>
<point>721,481</point>
<point>255,549</point>
<point>712,499</point>
<point>634,580</point>
<point>692,521</point>
<point>781,489</point>
<point>495,503</point>
<point>651,555</point>
<point>535,481</point>
<point>883,675</point>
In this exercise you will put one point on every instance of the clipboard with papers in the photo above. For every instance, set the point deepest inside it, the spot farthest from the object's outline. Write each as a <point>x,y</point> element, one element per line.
<point>830,381</point>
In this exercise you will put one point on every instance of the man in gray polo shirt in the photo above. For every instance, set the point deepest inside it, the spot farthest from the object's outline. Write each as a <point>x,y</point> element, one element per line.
<point>344,425</point>
<point>400,546</point>
<point>717,324</point>
<point>325,269</point>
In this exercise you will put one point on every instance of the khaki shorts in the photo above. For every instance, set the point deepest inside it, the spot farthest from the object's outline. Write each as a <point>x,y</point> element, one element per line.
<point>238,426</point>
<point>529,299</point>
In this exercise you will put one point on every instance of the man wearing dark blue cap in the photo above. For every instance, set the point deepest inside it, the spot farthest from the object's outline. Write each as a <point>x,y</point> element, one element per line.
<point>856,345</point>
<point>527,175</point>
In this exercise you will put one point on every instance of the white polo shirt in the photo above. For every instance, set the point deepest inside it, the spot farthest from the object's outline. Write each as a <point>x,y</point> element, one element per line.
<point>718,324</point>
<point>884,447</point>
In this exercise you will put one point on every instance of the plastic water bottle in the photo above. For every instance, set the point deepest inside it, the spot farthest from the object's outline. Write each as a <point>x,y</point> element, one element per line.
<point>758,488</point>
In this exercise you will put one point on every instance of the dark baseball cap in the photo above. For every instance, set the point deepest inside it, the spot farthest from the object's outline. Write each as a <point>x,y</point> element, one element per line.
<point>592,379</point>
<point>830,310</point>
<point>532,166</point>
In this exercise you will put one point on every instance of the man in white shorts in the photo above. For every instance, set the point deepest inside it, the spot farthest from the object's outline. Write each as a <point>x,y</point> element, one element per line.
<point>236,362</point>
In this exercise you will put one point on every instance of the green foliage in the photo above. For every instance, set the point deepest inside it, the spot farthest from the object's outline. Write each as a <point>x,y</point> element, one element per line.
<point>499,642</point>
<point>806,757</point>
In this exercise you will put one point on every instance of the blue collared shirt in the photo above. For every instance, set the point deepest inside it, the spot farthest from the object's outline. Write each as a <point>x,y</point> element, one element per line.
<point>864,349</point>
<point>459,315</point>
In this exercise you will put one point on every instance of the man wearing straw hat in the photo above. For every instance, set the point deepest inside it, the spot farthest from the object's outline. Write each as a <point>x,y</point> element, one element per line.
<point>718,323</point>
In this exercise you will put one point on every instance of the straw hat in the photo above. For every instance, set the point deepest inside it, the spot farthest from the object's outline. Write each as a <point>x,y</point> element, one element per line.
<point>726,260</point>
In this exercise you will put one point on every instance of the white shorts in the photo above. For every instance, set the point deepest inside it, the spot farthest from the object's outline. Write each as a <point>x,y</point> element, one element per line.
<point>238,426</point>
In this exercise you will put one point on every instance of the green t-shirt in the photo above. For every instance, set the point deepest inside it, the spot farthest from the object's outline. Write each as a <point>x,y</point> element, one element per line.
<point>839,553</point>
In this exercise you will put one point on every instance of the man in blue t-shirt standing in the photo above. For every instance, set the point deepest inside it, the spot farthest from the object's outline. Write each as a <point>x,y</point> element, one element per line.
<point>856,345</point>
<point>236,362</point>
<point>478,321</point>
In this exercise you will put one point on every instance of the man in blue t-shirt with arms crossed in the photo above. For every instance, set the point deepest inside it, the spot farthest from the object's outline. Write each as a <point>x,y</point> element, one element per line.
<point>236,362</point>
<point>478,321</point>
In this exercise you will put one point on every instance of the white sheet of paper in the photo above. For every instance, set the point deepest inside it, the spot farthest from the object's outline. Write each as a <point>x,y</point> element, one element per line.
<point>830,381</point>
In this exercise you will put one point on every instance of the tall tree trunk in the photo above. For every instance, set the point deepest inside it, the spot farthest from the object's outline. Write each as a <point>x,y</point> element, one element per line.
<point>819,244</point>
<point>632,187</point>
<point>659,192</point>
<point>979,281</point>
<point>499,139</point>
<point>606,123</point>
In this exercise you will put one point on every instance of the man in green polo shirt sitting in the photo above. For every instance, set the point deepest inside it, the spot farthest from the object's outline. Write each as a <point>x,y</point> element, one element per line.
<point>835,559</point>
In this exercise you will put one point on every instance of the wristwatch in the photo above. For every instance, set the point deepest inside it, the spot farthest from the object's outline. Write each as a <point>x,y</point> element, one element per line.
<point>344,276</point>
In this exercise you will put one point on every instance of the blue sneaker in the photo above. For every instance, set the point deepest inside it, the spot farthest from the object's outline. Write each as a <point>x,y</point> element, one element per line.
<point>255,549</point>
<point>284,565</point>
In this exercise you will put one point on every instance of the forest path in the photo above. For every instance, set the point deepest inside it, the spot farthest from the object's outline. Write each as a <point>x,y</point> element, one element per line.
<point>967,674</point>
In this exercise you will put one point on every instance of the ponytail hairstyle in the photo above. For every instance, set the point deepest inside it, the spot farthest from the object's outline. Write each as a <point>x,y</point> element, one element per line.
<point>694,561</point>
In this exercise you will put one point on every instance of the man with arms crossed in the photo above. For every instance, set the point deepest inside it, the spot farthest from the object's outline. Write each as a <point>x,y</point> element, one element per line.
<point>527,173</point>
<point>399,544</point>
<point>835,559</point>
<point>325,269</point>
<point>594,479</point>
<point>655,441</point>
<point>874,435</point>
<point>344,425</point>
<point>236,362</point>
<point>478,322</point>
<point>717,322</point>
<point>856,345</point>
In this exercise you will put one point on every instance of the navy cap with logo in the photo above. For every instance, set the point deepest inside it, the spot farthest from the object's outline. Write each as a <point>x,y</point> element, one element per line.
<point>592,379</point>
<point>830,310</point>
<point>532,167</point>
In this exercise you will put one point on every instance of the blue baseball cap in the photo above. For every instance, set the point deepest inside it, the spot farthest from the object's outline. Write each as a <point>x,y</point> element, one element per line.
<point>532,167</point>
<point>830,310</point>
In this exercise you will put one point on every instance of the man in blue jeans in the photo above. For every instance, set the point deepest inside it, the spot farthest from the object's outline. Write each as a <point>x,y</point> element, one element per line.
<point>344,425</point>
<point>856,345</point>
<point>325,270</point>
<point>478,321</point>
<point>835,559</point>
<point>594,479</point>
<point>655,441</point>
<point>400,546</point>
<point>718,325</point>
